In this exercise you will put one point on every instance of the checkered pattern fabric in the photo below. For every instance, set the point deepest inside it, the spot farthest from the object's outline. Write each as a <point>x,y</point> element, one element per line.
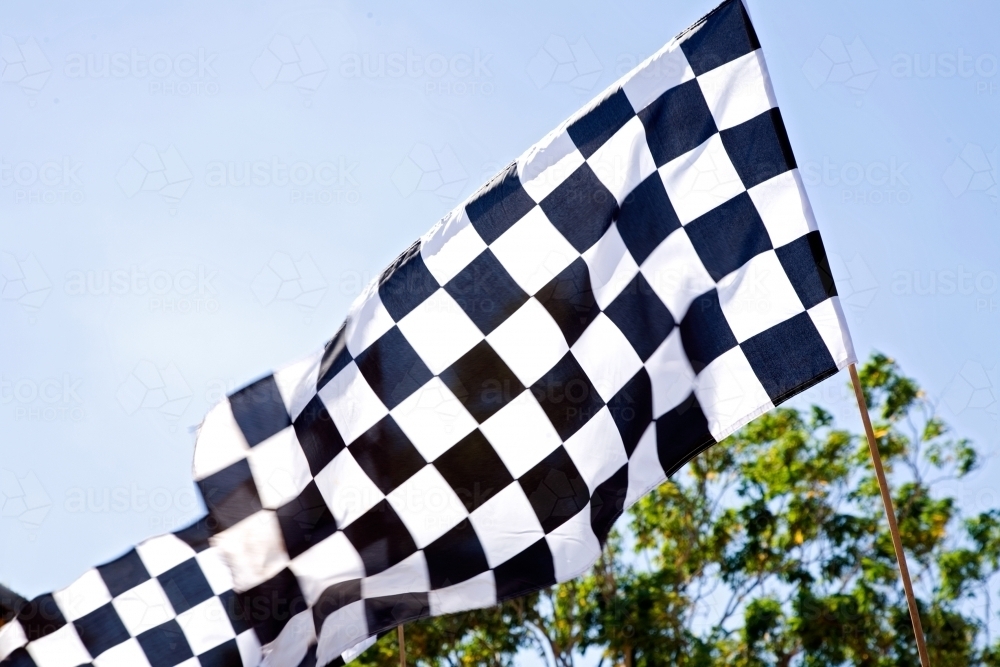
<point>168,601</point>
<point>636,286</point>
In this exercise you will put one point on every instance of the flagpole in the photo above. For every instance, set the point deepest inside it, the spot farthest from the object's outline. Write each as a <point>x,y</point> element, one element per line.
<point>402,645</point>
<point>890,513</point>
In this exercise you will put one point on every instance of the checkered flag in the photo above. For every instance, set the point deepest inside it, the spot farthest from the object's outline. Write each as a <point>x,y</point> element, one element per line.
<point>635,287</point>
<point>168,601</point>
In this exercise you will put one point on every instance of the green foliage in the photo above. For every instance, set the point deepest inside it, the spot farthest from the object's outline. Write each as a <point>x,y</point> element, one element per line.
<point>768,550</point>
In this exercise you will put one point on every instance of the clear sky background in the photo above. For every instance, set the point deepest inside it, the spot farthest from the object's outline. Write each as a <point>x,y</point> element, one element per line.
<point>146,271</point>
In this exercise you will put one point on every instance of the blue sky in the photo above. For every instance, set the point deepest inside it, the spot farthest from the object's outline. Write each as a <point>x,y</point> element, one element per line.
<point>297,148</point>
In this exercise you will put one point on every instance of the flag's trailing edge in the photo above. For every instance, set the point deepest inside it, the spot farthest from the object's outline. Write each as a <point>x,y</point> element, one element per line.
<point>636,286</point>
<point>168,601</point>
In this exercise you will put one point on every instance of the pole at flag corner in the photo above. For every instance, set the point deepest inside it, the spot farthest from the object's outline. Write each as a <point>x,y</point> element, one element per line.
<point>890,513</point>
<point>402,645</point>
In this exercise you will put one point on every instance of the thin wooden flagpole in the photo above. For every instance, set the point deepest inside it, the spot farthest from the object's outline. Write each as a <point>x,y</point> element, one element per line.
<point>890,513</point>
<point>402,645</point>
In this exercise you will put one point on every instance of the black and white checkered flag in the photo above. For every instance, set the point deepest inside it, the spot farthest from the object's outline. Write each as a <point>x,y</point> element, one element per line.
<point>636,286</point>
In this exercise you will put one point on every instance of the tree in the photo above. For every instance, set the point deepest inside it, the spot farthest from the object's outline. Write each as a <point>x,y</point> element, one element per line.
<point>770,549</point>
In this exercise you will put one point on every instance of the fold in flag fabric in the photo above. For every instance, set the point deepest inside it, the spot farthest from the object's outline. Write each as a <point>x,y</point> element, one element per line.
<point>632,289</point>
